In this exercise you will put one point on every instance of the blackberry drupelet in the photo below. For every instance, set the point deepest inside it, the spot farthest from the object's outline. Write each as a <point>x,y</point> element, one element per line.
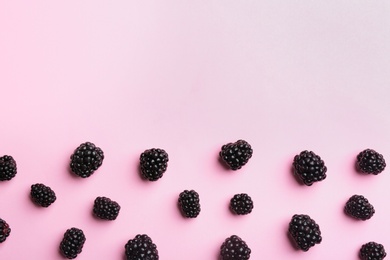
<point>372,251</point>
<point>241,204</point>
<point>86,159</point>
<point>358,207</point>
<point>8,168</point>
<point>305,231</point>
<point>309,167</point>
<point>106,208</point>
<point>189,203</point>
<point>5,230</point>
<point>154,163</point>
<point>42,195</point>
<point>141,248</point>
<point>234,248</point>
<point>72,243</point>
<point>237,154</point>
<point>370,162</point>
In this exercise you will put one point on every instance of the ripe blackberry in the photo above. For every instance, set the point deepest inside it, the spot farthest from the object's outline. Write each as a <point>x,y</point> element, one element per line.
<point>154,163</point>
<point>72,243</point>
<point>234,248</point>
<point>86,159</point>
<point>305,231</point>
<point>358,207</point>
<point>237,154</point>
<point>241,204</point>
<point>106,208</point>
<point>42,195</point>
<point>372,251</point>
<point>309,167</point>
<point>189,203</point>
<point>141,248</point>
<point>5,230</point>
<point>370,162</point>
<point>8,168</point>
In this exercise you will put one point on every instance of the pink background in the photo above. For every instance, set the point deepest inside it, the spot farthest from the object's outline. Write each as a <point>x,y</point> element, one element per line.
<point>190,76</point>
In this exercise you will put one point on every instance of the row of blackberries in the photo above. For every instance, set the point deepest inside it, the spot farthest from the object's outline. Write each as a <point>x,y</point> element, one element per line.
<point>107,209</point>
<point>303,229</point>
<point>241,204</point>
<point>308,166</point>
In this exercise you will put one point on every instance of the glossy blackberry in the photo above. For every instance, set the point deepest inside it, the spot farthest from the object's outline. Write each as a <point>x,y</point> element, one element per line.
<point>237,154</point>
<point>372,251</point>
<point>5,230</point>
<point>189,203</point>
<point>305,232</point>
<point>72,243</point>
<point>309,167</point>
<point>154,163</point>
<point>8,168</point>
<point>106,208</point>
<point>141,248</point>
<point>370,162</point>
<point>234,248</point>
<point>42,195</point>
<point>358,207</point>
<point>241,204</point>
<point>86,159</point>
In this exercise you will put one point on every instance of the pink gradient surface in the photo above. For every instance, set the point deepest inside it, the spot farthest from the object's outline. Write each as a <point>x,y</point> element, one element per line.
<point>188,77</point>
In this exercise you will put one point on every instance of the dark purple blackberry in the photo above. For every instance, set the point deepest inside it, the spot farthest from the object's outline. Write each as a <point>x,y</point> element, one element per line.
<point>241,204</point>
<point>358,207</point>
<point>5,230</point>
<point>372,251</point>
<point>106,208</point>
<point>42,195</point>
<point>189,203</point>
<point>8,168</point>
<point>86,159</point>
<point>370,162</point>
<point>305,231</point>
<point>234,248</point>
<point>72,243</point>
<point>154,163</point>
<point>309,167</point>
<point>237,154</point>
<point>141,248</point>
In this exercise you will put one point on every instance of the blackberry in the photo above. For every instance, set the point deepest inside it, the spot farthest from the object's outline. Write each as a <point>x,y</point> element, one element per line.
<point>72,243</point>
<point>237,154</point>
<point>305,231</point>
<point>154,163</point>
<point>370,162</point>
<point>5,230</point>
<point>241,204</point>
<point>106,208</point>
<point>42,195</point>
<point>372,251</point>
<point>7,168</point>
<point>234,248</point>
<point>86,159</point>
<point>189,203</point>
<point>309,167</point>
<point>141,248</point>
<point>358,207</point>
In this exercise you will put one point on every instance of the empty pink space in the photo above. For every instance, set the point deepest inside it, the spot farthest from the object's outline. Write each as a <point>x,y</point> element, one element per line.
<point>189,77</point>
